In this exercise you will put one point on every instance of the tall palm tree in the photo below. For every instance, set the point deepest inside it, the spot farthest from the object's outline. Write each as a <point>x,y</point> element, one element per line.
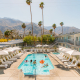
<point>62,26</point>
<point>51,31</point>
<point>29,3</point>
<point>41,5</point>
<point>24,26</point>
<point>40,23</point>
<point>29,32</point>
<point>54,26</point>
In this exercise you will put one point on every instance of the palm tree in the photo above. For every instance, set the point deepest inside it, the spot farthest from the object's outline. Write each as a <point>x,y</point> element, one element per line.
<point>54,26</point>
<point>24,26</point>
<point>62,26</point>
<point>29,32</point>
<point>29,3</point>
<point>41,5</point>
<point>51,31</point>
<point>40,23</point>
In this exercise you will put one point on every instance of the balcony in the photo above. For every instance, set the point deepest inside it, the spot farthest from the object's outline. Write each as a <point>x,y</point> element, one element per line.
<point>77,43</point>
<point>65,40</point>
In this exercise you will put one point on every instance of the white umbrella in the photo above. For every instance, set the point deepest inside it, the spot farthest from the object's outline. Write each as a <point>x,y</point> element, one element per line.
<point>65,49</point>
<point>16,48</point>
<point>45,45</point>
<point>3,52</point>
<point>71,52</point>
<point>38,45</point>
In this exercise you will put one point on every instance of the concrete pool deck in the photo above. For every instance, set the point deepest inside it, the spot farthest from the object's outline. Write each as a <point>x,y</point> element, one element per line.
<point>58,73</point>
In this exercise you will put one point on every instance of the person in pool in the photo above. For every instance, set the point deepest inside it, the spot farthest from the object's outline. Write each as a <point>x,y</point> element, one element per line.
<point>45,65</point>
<point>34,62</point>
<point>45,56</point>
<point>26,61</point>
<point>30,61</point>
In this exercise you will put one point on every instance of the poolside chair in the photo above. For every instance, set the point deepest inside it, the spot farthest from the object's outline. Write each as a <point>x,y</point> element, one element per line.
<point>72,65</point>
<point>9,63</point>
<point>41,50</point>
<point>31,50</point>
<point>65,60</point>
<point>48,50</point>
<point>11,59</point>
<point>44,50</point>
<point>3,65</point>
<point>37,50</point>
<point>69,63</point>
<point>7,60</point>
<point>15,56</point>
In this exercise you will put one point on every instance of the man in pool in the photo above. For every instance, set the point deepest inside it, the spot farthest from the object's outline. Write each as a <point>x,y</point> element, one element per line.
<point>30,61</point>
<point>34,62</point>
<point>45,65</point>
<point>45,56</point>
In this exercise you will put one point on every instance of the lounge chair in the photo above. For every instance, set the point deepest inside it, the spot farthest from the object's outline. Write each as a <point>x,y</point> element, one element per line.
<point>37,50</point>
<point>44,50</point>
<point>15,56</point>
<point>73,65</point>
<point>11,59</point>
<point>48,50</point>
<point>7,60</point>
<point>3,65</point>
<point>69,63</point>
<point>41,50</point>
<point>9,63</point>
<point>67,60</point>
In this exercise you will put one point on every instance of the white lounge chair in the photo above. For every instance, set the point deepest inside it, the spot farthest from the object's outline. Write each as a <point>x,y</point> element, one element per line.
<point>67,60</point>
<point>11,59</point>
<point>3,65</point>
<point>7,60</point>
<point>73,65</point>
<point>48,50</point>
<point>69,63</point>
<point>41,50</point>
<point>9,63</point>
<point>44,50</point>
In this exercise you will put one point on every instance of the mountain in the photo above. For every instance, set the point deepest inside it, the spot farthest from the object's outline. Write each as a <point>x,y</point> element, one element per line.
<point>8,23</point>
<point>66,29</point>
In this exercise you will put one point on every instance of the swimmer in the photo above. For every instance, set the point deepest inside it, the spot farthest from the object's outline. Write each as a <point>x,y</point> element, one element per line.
<point>26,61</point>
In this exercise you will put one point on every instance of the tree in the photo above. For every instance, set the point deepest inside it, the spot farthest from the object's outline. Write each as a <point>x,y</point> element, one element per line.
<point>24,26</point>
<point>29,32</point>
<point>40,23</point>
<point>51,31</point>
<point>41,5</point>
<point>29,3</point>
<point>29,39</point>
<point>54,26</point>
<point>62,26</point>
<point>7,33</point>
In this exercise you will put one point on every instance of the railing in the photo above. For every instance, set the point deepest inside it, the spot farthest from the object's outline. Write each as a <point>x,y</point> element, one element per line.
<point>77,43</point>
<point>65,40</point>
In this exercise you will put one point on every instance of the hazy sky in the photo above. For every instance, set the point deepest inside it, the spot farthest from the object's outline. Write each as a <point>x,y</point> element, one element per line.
<point>55,11</point>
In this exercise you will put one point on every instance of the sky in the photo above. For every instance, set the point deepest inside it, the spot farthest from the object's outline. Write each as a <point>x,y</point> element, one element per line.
<point>55,11</point>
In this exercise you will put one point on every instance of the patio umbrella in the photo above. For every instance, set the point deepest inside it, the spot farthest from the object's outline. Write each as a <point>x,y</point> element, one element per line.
<point>3,52</point>
<point>45,45</point>
<point>65,49</point>
<point>38,45</point>
<point>42,61</point>
<point>70,52</point>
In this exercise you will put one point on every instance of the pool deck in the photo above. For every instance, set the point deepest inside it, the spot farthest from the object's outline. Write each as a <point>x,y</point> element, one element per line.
<point>58,73</point>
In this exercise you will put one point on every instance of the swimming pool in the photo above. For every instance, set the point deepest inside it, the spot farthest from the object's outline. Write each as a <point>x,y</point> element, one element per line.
<point>31,69</point>
<point>56,53</point>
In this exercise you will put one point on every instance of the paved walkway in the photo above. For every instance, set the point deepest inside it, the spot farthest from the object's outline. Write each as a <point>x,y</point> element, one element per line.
<point>58,73</point>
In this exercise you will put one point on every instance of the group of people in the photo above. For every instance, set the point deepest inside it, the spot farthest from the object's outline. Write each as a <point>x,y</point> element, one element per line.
<point>34,62</point>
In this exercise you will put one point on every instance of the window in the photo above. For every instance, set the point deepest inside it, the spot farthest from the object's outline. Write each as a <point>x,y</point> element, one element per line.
<point>76,38</point>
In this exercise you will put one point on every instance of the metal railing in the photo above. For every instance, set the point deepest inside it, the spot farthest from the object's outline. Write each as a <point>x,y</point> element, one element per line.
<point>65,40</point>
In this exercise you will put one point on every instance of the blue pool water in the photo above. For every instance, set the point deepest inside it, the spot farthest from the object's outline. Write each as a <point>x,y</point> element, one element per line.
<point>31,69</point>
<point>56,53</point>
